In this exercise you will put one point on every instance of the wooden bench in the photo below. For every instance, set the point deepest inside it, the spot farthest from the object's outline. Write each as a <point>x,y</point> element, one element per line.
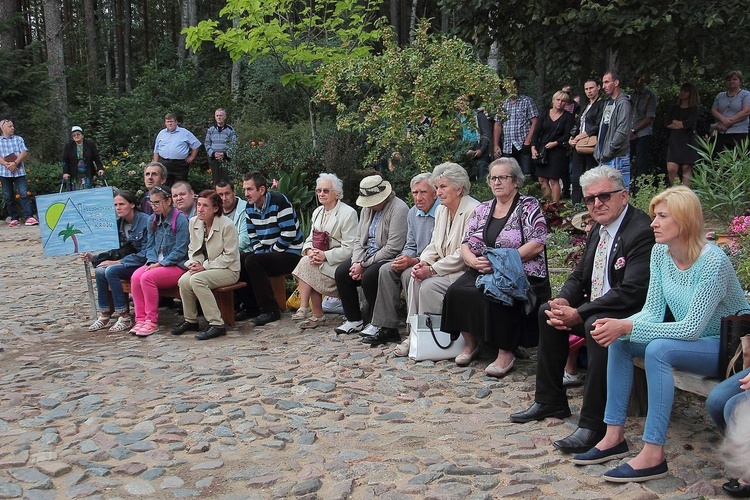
<point>224,297</point>
<point>278,284</point>
<point>685,381</point>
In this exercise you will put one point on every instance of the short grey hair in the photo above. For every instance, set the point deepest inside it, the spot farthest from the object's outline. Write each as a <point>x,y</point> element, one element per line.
<point>424,176</point>
<point>455,174</point>
<point>602,173</point>
<point>336,184</point>
<point>160,165</point>
<point>515,170</point>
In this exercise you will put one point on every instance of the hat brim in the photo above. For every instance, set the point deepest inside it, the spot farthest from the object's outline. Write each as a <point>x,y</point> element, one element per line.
<point>579,221</point>
<point>375,199</point>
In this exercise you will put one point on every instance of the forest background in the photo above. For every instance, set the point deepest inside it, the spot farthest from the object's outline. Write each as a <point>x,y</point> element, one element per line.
<point>115,67</point>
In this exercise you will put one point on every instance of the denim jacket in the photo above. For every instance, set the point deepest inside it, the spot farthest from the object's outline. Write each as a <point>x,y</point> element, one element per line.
<point>508,279</point>
<point>171,242</point>
<point>138,238</point>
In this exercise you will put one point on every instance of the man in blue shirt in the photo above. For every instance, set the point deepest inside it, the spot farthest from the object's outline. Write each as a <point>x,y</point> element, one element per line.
<point>175,148</point>
<point>219,139</point>
<point>275,239</point>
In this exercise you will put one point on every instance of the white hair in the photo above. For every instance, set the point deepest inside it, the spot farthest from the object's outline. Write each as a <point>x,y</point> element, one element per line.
<point>336,184</point>
<point>736,446</point>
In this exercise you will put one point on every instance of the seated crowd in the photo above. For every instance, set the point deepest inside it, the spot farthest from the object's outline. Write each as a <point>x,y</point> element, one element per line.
<point>647,285</point>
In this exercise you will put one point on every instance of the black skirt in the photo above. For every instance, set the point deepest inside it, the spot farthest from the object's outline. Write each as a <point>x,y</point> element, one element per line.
<point>465,309</point>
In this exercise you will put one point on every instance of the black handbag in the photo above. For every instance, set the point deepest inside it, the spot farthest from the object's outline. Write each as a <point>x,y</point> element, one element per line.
<point>734,344</point>
<point>541,156</point>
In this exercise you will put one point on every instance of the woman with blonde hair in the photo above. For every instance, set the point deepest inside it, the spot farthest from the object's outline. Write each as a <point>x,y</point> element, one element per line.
<point>693,281</point>
<point>550,137</point>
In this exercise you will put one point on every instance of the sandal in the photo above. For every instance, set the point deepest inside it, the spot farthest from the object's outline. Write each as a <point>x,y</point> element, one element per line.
<point>402,349</point>
<point>101,323</point>
<point>301,314</point>
<point>122,324</point>
<point>312,322</point>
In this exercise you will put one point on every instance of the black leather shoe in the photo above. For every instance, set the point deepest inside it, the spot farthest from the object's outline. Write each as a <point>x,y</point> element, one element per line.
<point>382,336</point>
<point>581,441</point>
<point>244,314</point>
<point>211,333</point>
<point>265,318</point>
<point>185,326</point>
<point>539,411</point>
<point>735,489</point>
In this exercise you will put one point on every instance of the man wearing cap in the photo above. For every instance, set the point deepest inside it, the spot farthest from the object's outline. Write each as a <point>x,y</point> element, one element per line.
<point>276,241</point>
<point>219,139</point>
<point>395,275</point>
<point>380,238</point>
<point>81,161</point>
<point>175,148</point>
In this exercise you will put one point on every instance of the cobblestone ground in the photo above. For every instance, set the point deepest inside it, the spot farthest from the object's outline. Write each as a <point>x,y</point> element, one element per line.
<point>273,412</point>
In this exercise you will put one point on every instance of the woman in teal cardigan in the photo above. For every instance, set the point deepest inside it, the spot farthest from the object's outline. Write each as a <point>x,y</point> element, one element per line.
<point>694,281</point>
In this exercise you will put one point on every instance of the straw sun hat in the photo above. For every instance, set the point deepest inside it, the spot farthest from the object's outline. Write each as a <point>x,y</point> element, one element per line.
<point>373,190</point>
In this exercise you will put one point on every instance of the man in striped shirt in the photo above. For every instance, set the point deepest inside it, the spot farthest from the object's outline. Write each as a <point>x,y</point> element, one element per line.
<point>275,239</point>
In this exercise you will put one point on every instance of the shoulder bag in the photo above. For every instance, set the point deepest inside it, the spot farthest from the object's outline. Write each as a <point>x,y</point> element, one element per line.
<point>428,342</point>
<point>586,146</point>
<point>734,346</point>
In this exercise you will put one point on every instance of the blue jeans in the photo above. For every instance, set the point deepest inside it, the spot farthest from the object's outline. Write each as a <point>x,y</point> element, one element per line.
<point>108,278</point>
<point>724,398</point>
<point>660,356</point>
<point>621,163</point>
<point>21,188</point>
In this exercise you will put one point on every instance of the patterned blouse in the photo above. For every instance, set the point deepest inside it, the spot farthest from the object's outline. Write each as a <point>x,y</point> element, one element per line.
<point>527,215</point>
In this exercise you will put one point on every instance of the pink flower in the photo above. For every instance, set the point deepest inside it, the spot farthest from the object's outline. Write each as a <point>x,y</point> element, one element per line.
<point>274,184</point>
<point>620,263</point>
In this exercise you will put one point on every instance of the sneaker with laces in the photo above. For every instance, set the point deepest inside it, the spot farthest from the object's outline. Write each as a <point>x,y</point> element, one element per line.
<point>349,327</point>
<point>13,223</point>
<point>570,380</point>
<point>31,222</point>
<point>369,330</point>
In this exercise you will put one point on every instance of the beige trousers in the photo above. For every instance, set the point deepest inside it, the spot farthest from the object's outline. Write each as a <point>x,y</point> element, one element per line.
<point>198,286</point>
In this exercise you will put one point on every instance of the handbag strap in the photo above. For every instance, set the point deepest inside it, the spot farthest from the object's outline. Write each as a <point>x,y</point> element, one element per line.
<point>428,322</point>
<point>523,240</point>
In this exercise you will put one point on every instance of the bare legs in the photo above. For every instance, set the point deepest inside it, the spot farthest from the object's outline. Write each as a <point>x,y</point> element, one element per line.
<point>673,170</point>
<point>650,456</point>
<point>551,188</point>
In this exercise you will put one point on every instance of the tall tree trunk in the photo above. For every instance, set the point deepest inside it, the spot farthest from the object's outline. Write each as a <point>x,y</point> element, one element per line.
<point>67,22</point>
<point>56,68</point>
<point>188,17</point>
<point>7,38</point>
<point>612,59</point>
<point>396,17</point>
<point>127,22</point>
<point>412,20</point>
<point>146,28</point>
<point>236,67</point>
<point>119,47</point>
<point>492,58</point>
<point>92,47</point>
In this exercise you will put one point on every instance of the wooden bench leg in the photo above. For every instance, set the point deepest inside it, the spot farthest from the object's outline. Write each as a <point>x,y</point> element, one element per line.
<point>279,290</point>
<point>225,301</point>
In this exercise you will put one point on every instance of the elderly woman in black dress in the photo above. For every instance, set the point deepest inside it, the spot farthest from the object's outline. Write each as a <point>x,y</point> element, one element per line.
<point>509,220</point>
<point>550,135</point>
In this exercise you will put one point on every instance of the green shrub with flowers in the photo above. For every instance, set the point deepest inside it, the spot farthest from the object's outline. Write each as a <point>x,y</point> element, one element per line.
<point>736,244</point>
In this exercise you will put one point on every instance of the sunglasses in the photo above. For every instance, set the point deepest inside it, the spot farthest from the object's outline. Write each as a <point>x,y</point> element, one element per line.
<point>603,197</point>
<point>323,190</point>
<point>163,190</point>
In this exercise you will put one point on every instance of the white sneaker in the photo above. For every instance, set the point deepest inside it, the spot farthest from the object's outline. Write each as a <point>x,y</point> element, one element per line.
<point>572,380</point>
<point>349,327</point>
<point>369,330</point>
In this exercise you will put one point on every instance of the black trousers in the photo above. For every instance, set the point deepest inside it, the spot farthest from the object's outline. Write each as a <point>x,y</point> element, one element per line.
<point>177,170</point>
<point>259,266</point>
<point>551,357</point>
<point>219,170</point>
<point>581,164</point>
<point>347,288</point>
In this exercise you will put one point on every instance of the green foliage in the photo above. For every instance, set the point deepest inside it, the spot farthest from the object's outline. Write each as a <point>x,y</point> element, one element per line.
<point>722,180</point>
<point>296,187</point>
<point>299,39</point>
<point>644,188</point>
<point>379,95</point>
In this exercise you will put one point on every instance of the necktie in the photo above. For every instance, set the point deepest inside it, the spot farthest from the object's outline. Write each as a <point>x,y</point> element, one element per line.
<point>600,264</point>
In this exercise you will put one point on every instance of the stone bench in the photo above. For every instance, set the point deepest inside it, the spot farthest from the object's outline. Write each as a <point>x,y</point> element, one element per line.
<point>685,381</point>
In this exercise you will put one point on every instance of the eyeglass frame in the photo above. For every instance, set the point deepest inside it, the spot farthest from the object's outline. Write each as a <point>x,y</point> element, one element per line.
<point>495,178</point>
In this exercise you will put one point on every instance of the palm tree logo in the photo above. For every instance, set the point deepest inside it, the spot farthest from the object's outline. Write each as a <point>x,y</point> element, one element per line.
<point>70,232</point>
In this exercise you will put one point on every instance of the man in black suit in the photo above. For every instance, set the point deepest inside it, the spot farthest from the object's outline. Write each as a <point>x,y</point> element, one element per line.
<point>619,290</point>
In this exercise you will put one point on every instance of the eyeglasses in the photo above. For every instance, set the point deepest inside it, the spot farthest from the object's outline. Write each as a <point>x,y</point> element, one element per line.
<point>156,203</point>
<point>499,178</point>
<point>323,190</point>
<point>603,197</point>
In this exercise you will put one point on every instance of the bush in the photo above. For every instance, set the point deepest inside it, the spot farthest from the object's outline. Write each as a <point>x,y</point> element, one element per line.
<point>722,181</point>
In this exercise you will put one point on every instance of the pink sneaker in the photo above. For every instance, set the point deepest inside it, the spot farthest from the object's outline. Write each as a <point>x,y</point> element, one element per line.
<point>138,325</point>
<point>147,329</point>
<point>31,222</point>
<point>13,223</point>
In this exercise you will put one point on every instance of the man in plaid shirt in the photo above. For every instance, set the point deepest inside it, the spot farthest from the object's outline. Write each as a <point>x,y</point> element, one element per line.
<point>13,174</point>
<point>516,129</point>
